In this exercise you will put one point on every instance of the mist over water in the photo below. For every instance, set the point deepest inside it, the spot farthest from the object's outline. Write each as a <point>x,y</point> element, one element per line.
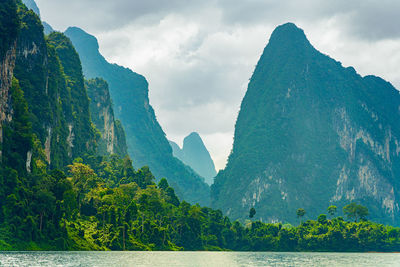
<point>195,259</point>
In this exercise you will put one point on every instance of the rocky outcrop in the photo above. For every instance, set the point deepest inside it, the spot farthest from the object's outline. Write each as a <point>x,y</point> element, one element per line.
<point>311,133</point>
<point>7,65</point>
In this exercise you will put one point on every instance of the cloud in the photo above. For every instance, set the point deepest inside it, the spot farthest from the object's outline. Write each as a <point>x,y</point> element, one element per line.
<point>101,15</point>
<point>199,55</point>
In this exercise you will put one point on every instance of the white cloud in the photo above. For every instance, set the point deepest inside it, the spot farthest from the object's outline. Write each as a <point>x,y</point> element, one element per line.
<point>199,55</point>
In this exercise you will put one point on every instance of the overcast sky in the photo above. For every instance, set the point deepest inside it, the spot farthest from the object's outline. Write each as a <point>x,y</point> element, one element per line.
<point>198,55</point>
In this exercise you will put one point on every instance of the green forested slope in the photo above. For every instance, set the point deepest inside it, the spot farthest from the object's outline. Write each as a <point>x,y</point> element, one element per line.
<point>195,154</point>
<point>99,202</point>
<point>311,133</point>
<point>147,144</point>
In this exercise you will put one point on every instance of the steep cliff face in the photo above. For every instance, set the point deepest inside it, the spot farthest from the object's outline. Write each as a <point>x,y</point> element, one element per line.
<point>78,118</point>
<point>311,133</point>
<point>40,76</point>
<point>195,154</point>
<point>147,144</point>
<point>54,90</point>
<point>7,65</point>
<point>113,139</point>
<point>9,26</point>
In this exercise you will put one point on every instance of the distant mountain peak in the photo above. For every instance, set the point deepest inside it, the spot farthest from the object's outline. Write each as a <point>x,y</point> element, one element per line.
<point>30,4</point>
<point>195,154</point>
<point>193,137</point>
<point>84,37</point>
<point>290,36</point>
<point>147,144</point>
<point>194,134</point>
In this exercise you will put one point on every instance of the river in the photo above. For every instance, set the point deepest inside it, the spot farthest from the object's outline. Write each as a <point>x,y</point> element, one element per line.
<point>207,259</point>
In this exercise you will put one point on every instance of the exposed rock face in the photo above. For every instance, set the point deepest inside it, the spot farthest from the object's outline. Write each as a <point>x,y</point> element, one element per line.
<point>50,76</point>
<point>112,134</point>
<point>311,133</point>
<point>7,65</point>
<point>82,130</point>
<point>147,144</point>
<point>195,154</point>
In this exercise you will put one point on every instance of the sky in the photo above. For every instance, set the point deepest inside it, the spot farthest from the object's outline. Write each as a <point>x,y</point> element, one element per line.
<point>198,55</point>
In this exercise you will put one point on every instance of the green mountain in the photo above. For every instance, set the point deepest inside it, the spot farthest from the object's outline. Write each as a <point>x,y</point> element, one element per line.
<point>49,69</point>
<point>31,4</point>
<point>47,28</point>
<point>147,144</point>
<point>311,133</point>
<point>9,28</point>
<point>99,202</point>
<point>195,154</point>
<point>113,140</point>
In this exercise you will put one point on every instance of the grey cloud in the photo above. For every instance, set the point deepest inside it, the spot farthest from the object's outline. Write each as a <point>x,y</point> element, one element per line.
<point>366,19</point>
<point>377,20</point>
<point>100,15</point>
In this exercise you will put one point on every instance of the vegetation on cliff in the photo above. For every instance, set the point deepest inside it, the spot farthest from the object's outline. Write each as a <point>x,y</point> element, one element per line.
<point>98,201</point>
<point>147,143</point>
<point>311,133</point>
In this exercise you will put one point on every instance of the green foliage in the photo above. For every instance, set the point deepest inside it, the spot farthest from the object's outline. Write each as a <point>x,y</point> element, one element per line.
<point>9,26</point>
<point>102,202</point>
<point>355,211</point>
<point>252,212</point>
<point>54,96</point>
<point>108,205</point>
<point>300,213</point>
<point>83,130</point>
<point>18,139</point>
<point>296,137</point>
<point>332,210</point>
<point>145,138</point>
<point>322,219</point>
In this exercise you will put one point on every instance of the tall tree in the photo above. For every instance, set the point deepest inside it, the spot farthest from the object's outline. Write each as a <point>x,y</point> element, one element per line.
<point>300,213</point>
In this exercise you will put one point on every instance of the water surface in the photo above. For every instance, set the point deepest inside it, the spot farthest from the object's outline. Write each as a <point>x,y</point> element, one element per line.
<point>208,259</point>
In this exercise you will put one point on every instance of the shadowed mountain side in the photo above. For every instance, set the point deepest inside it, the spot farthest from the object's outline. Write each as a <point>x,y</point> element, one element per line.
<point>147,144</point>
<point>195,154</point>
<point>311,133</point>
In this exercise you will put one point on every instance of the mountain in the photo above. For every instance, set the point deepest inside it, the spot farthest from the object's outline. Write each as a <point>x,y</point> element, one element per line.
<point>147,144</point>
<point>113,140</point>
<point>31,4</point>
<point>45,122</point>
<point>9,26</point>
<point>47,28</point>
<point>44,75</point>
<point>311,133</point>
<point>176,150</point>
<point>195,154</point>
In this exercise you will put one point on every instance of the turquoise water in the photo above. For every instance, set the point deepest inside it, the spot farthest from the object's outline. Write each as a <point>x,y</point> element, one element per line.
<point>208,259</point>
